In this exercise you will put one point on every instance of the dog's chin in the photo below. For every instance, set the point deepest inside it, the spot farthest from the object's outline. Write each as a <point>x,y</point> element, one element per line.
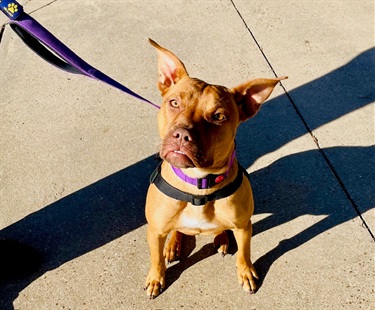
<point>179,160</point>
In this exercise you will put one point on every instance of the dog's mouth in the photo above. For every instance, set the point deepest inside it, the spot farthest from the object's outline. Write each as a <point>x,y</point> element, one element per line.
<point>182,155</point>
<point>179,159</point>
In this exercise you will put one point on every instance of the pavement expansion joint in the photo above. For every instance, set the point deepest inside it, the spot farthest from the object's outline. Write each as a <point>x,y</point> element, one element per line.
<point>42,7</point>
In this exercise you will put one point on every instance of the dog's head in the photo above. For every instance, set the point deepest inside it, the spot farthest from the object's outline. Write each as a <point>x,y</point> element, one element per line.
<point>198,121</point>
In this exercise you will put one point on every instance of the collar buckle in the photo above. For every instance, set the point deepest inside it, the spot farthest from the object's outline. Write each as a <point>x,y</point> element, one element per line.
<point>198,200</point>
<point>211,180</point>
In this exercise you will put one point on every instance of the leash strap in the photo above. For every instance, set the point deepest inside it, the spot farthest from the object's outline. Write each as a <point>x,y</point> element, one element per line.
<point>47,46</point>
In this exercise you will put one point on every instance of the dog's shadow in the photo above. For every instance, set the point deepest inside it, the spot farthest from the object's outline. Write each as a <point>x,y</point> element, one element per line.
<point>293,186</point>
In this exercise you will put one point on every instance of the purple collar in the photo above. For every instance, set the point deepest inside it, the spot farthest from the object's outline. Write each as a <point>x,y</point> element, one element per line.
<point>208,181</point>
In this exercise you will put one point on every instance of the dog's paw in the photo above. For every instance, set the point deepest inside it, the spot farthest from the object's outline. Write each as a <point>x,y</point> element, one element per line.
<point>154,285</point>
<point>246,278</point>
<point>221,243</point>
<point>172,251</point>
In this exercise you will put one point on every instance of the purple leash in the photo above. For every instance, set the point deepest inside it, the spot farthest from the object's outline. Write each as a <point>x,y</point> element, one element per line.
<point>38,38</point>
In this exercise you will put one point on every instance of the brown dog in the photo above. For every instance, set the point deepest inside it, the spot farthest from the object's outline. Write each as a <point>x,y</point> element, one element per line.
<point>199,187</point>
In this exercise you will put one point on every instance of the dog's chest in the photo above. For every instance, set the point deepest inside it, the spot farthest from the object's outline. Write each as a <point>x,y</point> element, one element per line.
<point>198,219</point>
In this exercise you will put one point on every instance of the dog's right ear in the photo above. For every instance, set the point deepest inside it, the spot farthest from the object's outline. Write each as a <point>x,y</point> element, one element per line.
<point>171,69</point>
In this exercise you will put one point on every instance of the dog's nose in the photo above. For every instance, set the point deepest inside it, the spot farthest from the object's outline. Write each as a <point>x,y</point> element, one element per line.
<point>182,134</point>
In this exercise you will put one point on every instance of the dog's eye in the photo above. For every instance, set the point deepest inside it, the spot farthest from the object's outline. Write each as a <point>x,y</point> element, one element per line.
<point>218,117</point>
<point>174,103</point>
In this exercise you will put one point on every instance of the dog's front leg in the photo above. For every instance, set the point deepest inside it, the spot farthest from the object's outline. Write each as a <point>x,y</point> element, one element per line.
<point>155,281</point>
<point>245,269</point>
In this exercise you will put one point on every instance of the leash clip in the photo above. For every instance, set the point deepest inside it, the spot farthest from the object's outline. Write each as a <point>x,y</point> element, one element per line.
<point>11,8</point>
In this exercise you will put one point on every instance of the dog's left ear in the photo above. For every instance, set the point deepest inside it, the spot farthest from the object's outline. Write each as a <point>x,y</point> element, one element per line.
<point>249,96</point>
<point>171,69</point>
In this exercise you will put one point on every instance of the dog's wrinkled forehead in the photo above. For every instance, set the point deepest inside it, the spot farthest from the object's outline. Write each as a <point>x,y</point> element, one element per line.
<point>196,94</point>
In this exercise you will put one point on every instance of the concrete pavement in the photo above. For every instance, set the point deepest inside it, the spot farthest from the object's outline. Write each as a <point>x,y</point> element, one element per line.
<point>75,154</point>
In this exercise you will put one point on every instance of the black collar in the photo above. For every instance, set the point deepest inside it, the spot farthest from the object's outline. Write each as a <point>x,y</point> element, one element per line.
<point>196,200</point>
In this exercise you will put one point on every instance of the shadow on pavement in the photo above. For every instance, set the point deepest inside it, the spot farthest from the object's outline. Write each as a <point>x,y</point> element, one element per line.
<point>299,185</point>
<point>292,186</point>
<point>78,223</point>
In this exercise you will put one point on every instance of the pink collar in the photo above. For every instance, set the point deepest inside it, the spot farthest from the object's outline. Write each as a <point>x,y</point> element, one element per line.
<point>208,181</point>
